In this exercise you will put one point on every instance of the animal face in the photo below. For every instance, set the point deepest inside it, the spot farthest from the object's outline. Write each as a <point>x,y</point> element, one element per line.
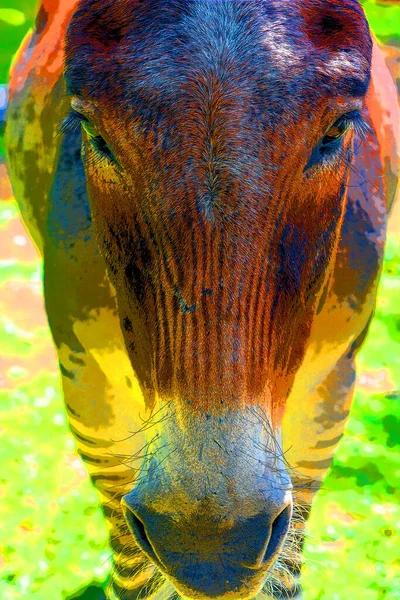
<point>217,139</point>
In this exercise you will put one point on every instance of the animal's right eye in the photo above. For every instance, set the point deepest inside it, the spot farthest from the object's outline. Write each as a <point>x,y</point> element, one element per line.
<point>99,143</point>
<point>76,121</point>
<point>71,123</point>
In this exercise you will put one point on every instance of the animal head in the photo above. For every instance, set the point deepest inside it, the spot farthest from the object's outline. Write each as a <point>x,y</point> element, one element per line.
<point>217,141</point>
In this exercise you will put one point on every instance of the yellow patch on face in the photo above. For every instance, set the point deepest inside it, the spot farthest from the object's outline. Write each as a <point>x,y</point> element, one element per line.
<point>105,393</point>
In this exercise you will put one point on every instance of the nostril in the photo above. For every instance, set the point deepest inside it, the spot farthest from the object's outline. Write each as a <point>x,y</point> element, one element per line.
<point>139,533</point>
<point>279,529</point>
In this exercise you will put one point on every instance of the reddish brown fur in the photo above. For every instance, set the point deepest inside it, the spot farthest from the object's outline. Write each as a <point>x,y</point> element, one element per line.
<point>215,341</point>
<point>234,269</point>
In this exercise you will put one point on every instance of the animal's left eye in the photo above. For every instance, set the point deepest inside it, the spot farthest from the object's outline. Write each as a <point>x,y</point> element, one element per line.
<point>335,133</point>
<point>327,150</point>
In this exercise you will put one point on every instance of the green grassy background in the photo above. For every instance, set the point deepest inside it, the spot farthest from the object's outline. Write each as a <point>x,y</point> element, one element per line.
<point>53,541</point>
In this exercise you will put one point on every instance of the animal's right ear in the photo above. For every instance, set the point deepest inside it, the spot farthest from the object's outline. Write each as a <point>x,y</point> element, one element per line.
<point>100,25</point>
<point>96,31</point>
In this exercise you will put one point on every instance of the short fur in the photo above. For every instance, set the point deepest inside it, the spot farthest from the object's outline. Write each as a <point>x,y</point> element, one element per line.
<point>203,266</point>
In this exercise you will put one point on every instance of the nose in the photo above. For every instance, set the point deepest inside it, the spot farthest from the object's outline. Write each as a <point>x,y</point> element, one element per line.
<point>209,553</point>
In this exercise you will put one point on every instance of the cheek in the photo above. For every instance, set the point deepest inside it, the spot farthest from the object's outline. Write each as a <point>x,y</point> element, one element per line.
<point>323,192</point>
<point>320,213</point>
<point>109,222</point>
<point>110,197</point>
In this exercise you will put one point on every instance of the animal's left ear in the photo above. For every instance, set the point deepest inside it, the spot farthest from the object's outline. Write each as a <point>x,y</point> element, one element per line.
<point>337,25</point>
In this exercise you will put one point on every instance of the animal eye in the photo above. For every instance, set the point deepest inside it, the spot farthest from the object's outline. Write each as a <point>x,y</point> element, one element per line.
<point>75,121</point>
<point>336,132</point>
<point>99,143</point>
<point>90,129</point>
<point>327,150</point>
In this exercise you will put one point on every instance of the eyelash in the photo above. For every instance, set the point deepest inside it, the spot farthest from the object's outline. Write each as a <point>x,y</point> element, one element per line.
<point>355,120</point>
<point>324,156</point>
<point>74,123</point>
<point>326,151</point>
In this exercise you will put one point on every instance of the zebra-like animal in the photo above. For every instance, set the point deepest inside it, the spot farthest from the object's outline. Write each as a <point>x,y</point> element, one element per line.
<point>211,215</point>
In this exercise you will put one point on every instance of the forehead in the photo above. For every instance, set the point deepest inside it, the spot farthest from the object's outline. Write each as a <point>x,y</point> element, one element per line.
<point>281,51</point>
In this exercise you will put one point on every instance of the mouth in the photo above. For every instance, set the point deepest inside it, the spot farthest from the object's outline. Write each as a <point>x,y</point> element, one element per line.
<point>212,586</point>
<point>219,578</point>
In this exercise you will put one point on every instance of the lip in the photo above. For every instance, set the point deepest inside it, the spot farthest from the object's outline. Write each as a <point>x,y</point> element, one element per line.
<point>238,591</point>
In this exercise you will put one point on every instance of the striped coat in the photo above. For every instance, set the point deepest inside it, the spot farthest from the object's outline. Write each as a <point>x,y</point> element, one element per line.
<point>211,215</point>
